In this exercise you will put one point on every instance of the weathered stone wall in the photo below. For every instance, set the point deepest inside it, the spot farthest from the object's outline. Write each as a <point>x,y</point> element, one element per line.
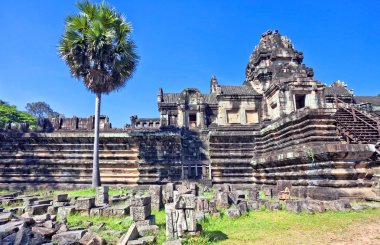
<point>64,159</point>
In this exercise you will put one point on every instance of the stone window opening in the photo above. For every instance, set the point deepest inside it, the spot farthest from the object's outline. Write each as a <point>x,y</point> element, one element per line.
<point>193,120</point>
<point>300,100</point>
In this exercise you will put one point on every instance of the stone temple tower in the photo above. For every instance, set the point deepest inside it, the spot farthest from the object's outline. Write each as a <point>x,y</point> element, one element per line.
<point>275,70</point>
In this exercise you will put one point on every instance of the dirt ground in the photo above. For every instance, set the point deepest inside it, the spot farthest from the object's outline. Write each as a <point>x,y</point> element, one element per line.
<point>367,232</point>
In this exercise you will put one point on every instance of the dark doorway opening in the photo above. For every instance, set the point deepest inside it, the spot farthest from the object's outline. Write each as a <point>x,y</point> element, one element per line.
<point>193,120</point>
<point>300,101</point>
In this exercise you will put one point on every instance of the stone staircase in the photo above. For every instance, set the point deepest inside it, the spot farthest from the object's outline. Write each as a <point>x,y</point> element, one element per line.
<point>357,127</point>
<point>230,156</point>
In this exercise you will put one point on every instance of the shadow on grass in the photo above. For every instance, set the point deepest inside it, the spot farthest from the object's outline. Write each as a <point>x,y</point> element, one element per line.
<point>215,236</point>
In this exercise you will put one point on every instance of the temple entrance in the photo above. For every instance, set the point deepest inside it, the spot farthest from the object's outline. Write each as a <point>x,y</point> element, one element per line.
<point>192,120</point>
<point>300,101</point>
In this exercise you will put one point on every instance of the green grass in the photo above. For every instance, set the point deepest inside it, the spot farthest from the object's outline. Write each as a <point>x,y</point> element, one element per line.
<point>281,226</point>
<point>113,226</point>
<point>207,195</point>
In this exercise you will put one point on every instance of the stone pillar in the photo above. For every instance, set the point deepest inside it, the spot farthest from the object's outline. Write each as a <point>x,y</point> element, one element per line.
<point>202,117</point>
<point>155,192</point>
<point>102,197</point>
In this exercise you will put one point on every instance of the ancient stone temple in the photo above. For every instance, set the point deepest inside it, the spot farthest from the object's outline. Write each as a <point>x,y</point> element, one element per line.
<point>281,128</point>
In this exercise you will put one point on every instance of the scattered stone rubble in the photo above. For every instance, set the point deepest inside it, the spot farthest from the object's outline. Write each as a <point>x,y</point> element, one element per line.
<point>42,220</point>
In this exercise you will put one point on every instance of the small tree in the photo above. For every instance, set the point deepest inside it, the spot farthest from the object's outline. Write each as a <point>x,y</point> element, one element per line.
<point>41,109</point>
<point>97,48</point>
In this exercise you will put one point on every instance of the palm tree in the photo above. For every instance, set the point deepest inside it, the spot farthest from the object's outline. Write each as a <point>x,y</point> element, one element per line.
<point>97,47</point>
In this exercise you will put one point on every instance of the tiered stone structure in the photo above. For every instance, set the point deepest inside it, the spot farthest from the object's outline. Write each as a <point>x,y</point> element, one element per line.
<point>280,126</point>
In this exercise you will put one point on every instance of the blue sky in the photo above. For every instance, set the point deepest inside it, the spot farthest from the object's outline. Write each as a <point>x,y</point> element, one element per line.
<point>182,44</point>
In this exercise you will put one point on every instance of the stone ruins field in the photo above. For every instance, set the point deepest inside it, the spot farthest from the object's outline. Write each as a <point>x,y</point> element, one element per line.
<point>64,217</point>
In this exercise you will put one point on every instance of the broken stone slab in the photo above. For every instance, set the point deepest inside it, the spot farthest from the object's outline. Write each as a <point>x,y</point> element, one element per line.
<point>141,201</point>
<point>60,198</point>
<point>46,232</point>
<point>233,212</point>
<point>85,203</point>
<point>148,230</point>
<point>151,220</point>
<point>68,237</point>
<point>185,201</point>
<point>41,218</point>
<point>91,238</point>
<point>132,234</point>
<point>10,227</point>
<point>5,217</point>
<point>98,211</point>
<point>43,201</point>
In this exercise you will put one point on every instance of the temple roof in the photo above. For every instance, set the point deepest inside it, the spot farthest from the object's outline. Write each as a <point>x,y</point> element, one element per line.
<point>339,88</point>
<point>274,58</point>
<point>238,90</point>
<point>338,91</point>
<point>375,100</point>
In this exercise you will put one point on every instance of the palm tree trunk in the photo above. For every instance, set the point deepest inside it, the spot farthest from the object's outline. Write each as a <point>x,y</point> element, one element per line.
<point>95,164</point>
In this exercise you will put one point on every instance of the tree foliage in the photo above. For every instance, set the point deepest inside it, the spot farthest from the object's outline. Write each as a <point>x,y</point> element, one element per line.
<point>97,47</point>
<point>41,109</point>
<point>9,114</point>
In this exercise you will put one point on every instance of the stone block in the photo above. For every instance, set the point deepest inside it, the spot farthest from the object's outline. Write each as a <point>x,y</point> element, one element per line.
<point>46,232</point>
<point>85,203</point>
<point>222,199</point>
<point>102,196</point>
<point>186,201</point>
<point>253,205</point>
<point>171,218</point>
<point>141,201</point>
<point>37,209</point>
<point>28,201</point>
<point>52,210</point>
<point>233,212</point>
<point>151,220</point>
<point>98,211</point>
<point>140,213</point>
<point>242,206</point>
<point>190,220</point>
<point>5,217</point>
<point>60,198</point>
<point>253,195</point>
<point>64,211</point>
<point>155,192</point>
<point>90,238</point>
